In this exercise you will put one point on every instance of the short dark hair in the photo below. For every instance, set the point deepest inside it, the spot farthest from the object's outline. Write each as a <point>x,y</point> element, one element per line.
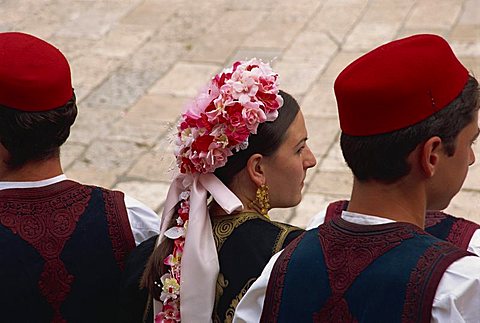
<point>269,136</point>
<point>35,136</point>
<point>384,157</point>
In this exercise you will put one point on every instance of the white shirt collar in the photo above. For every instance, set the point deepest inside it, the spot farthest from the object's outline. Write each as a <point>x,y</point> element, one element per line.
<point>364,219</point>
<point>45,182</point>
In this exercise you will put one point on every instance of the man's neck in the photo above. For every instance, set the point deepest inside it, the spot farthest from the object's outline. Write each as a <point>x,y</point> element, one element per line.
<point>399,201</point>
<point>32,171</point>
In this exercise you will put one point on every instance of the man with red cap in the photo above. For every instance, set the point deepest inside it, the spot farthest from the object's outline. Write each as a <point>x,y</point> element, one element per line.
<point>62,243</point>
<point>408,112</point>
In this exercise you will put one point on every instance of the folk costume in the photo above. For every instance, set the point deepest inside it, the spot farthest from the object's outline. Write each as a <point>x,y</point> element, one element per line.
<point>364,268</point>
<point>245,243</point>
<point>216,125</point>
<point>461,232</point>
<point>451,300</point>
<point>63,244</point>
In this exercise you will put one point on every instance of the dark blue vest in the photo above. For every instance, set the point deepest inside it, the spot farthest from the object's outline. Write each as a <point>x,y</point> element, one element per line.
<point>444,226</point>
<point>62,249</point>
<point>345,272</point>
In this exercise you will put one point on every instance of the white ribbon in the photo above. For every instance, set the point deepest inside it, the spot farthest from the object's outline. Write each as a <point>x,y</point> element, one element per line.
<point>199,264</point>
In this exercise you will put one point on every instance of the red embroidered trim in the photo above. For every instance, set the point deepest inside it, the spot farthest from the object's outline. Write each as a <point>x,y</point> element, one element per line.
<point>119,228</point>
<point>46,218</point>
<point>425,278</point>
<point>335,310</point>
<point>461,233</point>
<point>434,217</point>
<point>334,210</point>
<point>271,304</point>
<point>347,255</point>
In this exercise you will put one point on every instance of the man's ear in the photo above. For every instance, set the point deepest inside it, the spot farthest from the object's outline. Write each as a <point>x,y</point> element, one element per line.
<point>431,154</point>
<point>255,169</point>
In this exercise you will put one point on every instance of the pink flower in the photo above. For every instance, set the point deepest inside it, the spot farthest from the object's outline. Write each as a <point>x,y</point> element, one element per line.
<point>234,115</point>
<point>216,158</point>
<point>237,135</point>
<point>202,143</point>
<point>253,115</point>
<point>169,314</point>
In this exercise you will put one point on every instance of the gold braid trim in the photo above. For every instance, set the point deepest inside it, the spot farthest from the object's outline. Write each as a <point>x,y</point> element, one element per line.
<point>223,226</point>
<point>233,305</point>
<point>285,230</point>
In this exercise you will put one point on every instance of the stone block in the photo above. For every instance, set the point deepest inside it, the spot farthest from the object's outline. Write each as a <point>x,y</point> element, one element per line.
<point>470,49</point>
<point>337,17</point>
<point>282,215</point>
<point>152,194</point>
<point>150,13</point>
<point>278,28</point>
<point>122,89</point>
<point>88,71</point>
<point>321,133</point>
<point>334,161</point>
<point>331,183</point>
<point>112,155</point>
<point>320,100</point>
<point>471,63</point>
<point>368,35</point>
<point>265,54</point>
<point>157,55</point>
<point>96,20</point>
<point>92,124</point>
<point>73,48</point>
<point>296,78</point>
<point>88,174</point>
<point>216,44</point>
<point>156,165</point>
<point>470,14</point>
<point>122,41</point>
<point>310,206</point>
<point>466,204</point>
<point>158,108</point>
<point>388,12</point>
<point>70,152</point>
<point>185,79</point>
<point>316,48</point>
<point>143,133</point>
<point>434,14</point>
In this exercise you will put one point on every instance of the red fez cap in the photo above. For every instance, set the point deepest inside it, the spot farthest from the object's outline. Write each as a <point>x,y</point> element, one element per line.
<point>398,85</point>
<point>34,75</point>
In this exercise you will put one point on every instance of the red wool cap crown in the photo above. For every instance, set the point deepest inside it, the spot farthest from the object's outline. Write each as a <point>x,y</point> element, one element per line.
<point>34,75</point>
<point>398,85</point>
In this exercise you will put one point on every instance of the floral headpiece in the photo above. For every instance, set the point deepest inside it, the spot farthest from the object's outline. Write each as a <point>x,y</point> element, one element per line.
<point>222,117</point>
<point>217,123</point>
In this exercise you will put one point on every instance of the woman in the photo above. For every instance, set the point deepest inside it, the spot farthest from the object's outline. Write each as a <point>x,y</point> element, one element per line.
<point>242,145</point>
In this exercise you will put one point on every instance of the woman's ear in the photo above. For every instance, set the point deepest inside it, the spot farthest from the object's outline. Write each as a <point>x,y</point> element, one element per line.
<point>255,169</point>
<point>431,154</point>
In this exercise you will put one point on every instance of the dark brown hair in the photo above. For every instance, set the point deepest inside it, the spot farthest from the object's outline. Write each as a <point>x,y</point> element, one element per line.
<point>35,136</point>
<point>268,139</point>
<point>384,157</point>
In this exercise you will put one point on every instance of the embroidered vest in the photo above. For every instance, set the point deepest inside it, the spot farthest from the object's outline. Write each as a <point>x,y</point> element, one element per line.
<point>62,249</point>
<point>345,272</point>
<point>444,226</point>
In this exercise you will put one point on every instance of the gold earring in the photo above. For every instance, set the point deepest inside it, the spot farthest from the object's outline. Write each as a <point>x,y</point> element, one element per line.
<point>262,200</point>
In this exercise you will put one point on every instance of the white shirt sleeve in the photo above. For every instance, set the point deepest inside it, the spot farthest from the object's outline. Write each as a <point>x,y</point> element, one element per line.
<point>474,245</point>
<point>249,310</point>
<point>144,222</point>
<point>317,219</point>
<point>457,298</point>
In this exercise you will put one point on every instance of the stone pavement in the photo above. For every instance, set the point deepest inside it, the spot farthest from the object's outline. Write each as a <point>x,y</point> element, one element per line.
<point>136,62</point>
